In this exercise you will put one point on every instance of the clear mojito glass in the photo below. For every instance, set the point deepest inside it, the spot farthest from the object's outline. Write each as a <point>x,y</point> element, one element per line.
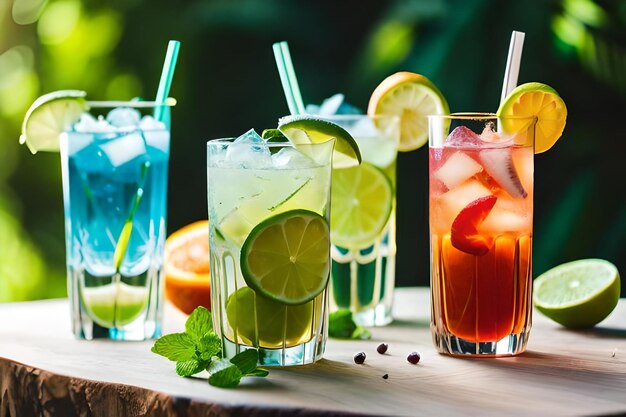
<point>270,246</point>
<point>363,221</point>
<point>114,164</point>
<point>481,217</point>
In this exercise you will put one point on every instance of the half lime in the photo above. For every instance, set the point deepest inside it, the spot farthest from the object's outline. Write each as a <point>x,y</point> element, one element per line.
<point>578,294</point>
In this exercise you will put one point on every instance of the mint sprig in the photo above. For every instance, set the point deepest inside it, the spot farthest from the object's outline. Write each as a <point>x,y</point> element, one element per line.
<point>341,325</point>
<point>198,348</point>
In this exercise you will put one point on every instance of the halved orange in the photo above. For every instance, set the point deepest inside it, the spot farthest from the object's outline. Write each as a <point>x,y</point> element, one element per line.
<point>187,277</point>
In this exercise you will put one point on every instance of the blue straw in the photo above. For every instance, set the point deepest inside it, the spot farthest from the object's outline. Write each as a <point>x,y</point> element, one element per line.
<point>166,77</point>
<point>288,77</point>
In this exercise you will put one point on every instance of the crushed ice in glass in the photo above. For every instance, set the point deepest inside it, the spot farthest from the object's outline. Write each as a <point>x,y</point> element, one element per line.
<point>335,104</point>
<point>124,117</point>
<point>291,156</point>
<point>249,151</point>
<point>88,123</point>
<point>463,137</point>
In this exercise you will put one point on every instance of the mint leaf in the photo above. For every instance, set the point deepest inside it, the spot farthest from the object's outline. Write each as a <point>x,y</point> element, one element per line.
<point>258,372</point>
<point>175,347</point>
<point>223,373</point>
<point>209,345</point>
<point>191,367</point>
<point>273,135</point>
<point>246,360</point>
<point>341,325</point>
<point>199,323</point>
<point>361,333</point>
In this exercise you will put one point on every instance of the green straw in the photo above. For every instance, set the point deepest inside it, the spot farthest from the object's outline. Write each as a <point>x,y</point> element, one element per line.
<point>288,77</point>
<point>166,77</point>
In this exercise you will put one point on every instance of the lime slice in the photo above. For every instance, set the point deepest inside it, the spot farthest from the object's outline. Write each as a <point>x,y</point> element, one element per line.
<point>114,305</point>
<point>303,129</point>
<point>259,321</point>
<point>49,116</point>
<point>361,201</point>
<point>578,294</point>
<point>540,102</point>
<point>287,257</point>
<point>412,97</point>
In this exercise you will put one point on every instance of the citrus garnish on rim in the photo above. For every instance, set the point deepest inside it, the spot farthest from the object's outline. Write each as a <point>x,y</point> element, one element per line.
<point>49,116</point>
<point>412,97</point>
<point>535,101</point>
<point>304,129</point>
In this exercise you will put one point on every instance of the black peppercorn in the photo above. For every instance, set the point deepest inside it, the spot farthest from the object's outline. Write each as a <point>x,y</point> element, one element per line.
<point>359,358</point>
<point>413,357</point>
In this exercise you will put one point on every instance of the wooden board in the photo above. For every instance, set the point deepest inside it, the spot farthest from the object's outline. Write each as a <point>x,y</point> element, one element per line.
<point>43,368</point>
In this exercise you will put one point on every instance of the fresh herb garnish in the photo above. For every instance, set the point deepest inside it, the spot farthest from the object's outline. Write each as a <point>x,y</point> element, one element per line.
<point>341,325</point>
<point>199,349</point>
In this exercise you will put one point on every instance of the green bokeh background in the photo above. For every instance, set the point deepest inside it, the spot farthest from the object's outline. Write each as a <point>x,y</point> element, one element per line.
<point>226,82</point>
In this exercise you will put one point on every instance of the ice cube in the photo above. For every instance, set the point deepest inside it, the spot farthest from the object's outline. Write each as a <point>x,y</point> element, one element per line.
<point>125,148</point>
<point>250,137</point>
<point>463,137</point>
<point>155,133</point>
<point>88,123</point>
<point>77,141</point>
<point>458,168</point>
<point>523,161</point>
<point>448,205</point>
<point>491,138</point>
<point>249,151</point>
<point>331,105</point>
<point>291,158</point>
<point>502,220</point>
<point>365,127</point>
<point>499,165</point>
<point>124,117</point>
<point>150,123</point>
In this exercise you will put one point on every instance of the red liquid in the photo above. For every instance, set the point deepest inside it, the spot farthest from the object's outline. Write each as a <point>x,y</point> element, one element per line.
<point>481,298</point>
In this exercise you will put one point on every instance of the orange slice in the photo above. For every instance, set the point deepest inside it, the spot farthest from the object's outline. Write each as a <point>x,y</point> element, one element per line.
<point>187,278</point>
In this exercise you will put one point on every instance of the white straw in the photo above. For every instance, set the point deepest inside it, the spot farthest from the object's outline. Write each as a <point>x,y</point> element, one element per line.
<point>512,63</point>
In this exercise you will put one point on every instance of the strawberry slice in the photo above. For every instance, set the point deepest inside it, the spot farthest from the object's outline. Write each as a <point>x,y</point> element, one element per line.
<point>464,234</point>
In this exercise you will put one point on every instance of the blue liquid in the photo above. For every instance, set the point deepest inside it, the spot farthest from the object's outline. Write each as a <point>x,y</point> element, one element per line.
<point>102,182</point>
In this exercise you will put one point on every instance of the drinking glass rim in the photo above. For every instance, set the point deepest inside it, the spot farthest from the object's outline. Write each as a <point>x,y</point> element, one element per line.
<point>100,104</point>
<point>475,116</point>
<point>231,140</point>
<point>343,117</point>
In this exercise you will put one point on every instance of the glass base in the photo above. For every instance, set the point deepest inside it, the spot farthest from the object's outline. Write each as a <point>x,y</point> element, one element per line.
<point>377,316</point>
<point>139,330</point>
<point>510,345</point>
<point>302,354</point>
<point>115,309</point>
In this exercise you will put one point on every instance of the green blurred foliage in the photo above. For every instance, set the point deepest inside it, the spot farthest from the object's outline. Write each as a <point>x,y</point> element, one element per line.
<point>226,82</point>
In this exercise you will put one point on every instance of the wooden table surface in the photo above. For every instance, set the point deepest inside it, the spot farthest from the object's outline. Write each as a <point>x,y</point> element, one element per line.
<point>45,371</point>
